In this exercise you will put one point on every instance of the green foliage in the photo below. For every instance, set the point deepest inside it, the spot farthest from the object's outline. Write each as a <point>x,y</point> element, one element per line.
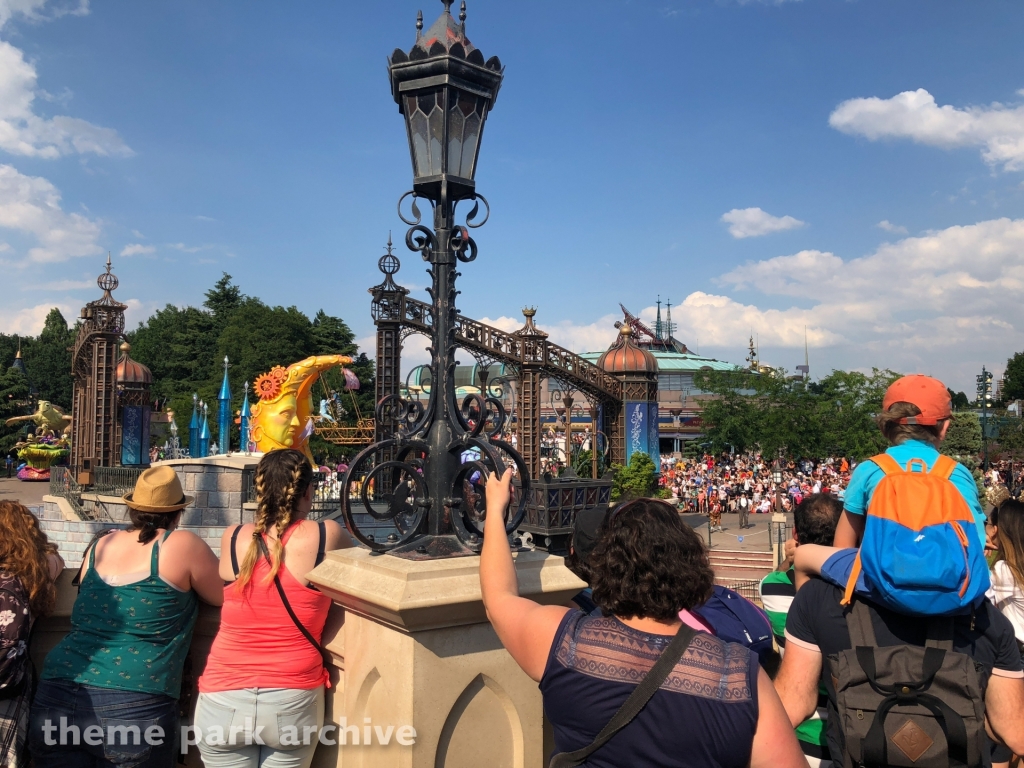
<point>584,467</point>
<point>959,400</point>
<point>185,349</point>
<point>1011,440</point>
<point>635,480</point>
<point>767,411</point>
<point>13,402</point>
<point>1013,381</point>
<point>963,439</point>
<point>48,361</point>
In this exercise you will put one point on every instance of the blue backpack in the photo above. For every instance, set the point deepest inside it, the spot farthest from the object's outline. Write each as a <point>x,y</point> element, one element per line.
<point>920,554</point>
<point>737,620</point>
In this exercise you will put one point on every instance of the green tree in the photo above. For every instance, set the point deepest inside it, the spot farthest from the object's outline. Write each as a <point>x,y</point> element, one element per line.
<point>963,438</point>
<point>223,299</point>
<point>1013,378</point>
<point>48,361</point>
<point>959,400</point>
<point>636,479</point>
<point>13,402</point>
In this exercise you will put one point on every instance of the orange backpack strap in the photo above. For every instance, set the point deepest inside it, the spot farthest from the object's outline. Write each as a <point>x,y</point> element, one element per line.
<point>887,464</point>
<point>943,466</point>
<point>851,583</point>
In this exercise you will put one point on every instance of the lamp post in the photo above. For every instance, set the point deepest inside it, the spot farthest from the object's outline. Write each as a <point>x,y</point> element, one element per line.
<point>426,477</point>
<point>984,380</point>
<point>779,516</point>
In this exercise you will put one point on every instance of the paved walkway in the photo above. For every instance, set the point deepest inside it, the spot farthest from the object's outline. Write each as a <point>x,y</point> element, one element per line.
<point>753,538</point>
<point>29,494</point>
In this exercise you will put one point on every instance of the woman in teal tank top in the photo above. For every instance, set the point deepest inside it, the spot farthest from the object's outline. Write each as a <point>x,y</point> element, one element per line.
<point>109,690</point>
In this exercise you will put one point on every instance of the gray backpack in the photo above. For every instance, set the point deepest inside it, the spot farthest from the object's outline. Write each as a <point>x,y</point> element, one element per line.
<point>906,705</point>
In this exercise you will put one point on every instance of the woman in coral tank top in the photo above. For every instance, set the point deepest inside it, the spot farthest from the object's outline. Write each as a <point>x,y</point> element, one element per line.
<point>261,696</point>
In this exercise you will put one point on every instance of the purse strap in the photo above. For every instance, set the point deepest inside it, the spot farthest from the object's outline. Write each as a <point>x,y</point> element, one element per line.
<point>328,660</point>
<point>637,700</point>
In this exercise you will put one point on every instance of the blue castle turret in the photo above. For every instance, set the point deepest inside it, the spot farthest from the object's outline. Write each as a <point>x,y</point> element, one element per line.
<point>193,428</point>
<point>243,420</point>
<point>204,431</point>
<point>224,413</point>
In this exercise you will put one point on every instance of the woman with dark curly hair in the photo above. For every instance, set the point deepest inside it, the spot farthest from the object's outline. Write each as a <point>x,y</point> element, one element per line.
<point>713,707</point>
<point>28,566</point>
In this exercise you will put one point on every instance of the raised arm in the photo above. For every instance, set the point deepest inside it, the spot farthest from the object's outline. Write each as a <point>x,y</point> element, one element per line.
<point>525,628</point>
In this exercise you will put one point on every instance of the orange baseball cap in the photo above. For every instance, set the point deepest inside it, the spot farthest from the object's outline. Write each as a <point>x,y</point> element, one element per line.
<point>928,394</point>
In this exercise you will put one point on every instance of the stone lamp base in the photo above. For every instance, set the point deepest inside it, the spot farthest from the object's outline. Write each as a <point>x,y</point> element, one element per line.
<point>416,651</point>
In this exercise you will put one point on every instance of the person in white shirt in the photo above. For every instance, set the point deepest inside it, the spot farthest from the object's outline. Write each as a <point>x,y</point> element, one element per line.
<point>1005,529</point>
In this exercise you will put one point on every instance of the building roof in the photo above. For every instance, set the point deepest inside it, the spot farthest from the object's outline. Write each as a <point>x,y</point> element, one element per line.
<point>132,371</point>
<point>677,362</point>
<point>626,357</point>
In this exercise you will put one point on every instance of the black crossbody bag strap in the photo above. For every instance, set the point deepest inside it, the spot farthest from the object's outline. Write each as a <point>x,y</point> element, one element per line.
<point>327,658</point>
<point>637,700</point>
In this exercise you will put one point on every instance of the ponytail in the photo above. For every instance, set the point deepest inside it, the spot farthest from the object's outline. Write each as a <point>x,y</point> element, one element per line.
<point>282,478</point>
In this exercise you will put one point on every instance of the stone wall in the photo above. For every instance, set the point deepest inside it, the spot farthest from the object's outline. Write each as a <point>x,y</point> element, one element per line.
<point>73,536</point>
<point>216,483</point>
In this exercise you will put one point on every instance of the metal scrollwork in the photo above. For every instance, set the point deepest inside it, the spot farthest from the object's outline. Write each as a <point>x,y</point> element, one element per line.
<point>463,245</point>
<point>421,239</point>
<point>471,216</point>
<point>416,215</point>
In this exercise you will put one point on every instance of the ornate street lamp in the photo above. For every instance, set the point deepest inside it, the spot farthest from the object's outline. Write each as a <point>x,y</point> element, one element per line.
<point>426,477</point>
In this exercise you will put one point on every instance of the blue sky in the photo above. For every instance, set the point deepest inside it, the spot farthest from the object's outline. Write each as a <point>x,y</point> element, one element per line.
<point>855,167</point>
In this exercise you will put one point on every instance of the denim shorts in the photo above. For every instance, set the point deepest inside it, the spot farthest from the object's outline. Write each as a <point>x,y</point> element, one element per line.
<point>80,726</point>
<point>285,720</point>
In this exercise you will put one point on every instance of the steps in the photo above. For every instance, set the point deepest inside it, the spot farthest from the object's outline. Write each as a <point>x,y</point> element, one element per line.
<point>741,570</point>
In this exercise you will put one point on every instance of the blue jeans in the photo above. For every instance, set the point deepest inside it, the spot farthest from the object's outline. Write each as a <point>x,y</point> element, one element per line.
<point>80,726</point>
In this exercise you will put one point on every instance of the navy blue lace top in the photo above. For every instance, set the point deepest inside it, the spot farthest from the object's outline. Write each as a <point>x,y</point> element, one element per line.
<point>703,716</point>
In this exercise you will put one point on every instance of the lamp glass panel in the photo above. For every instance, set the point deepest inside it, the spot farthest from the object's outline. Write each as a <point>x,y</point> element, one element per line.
<point>456,127</point>
<point>436,121</point>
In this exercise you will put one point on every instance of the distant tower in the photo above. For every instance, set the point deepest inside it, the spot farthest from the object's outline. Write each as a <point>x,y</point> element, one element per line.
<point>670,327</point>
<point>658,330</point>
<point>244,420</point>
<point>805,369</point>
<point>18,362</point>
<point>193,428</point>
<point>204,431</point>
<point>752,355</point>
<point>94,367</point>
<point>224,413</point>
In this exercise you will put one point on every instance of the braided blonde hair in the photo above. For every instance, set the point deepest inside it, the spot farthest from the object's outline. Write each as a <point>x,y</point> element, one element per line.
<point>282,478</point>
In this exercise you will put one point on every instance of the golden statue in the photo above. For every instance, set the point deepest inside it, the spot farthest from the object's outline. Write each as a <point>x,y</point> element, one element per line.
<point>46,417</point>
<point>283,417</point>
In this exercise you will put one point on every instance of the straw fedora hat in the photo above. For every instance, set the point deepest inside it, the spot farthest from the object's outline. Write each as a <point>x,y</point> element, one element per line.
<point>158,489</point>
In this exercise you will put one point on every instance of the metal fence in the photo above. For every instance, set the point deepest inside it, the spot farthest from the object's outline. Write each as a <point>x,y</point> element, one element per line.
<point>115,481</point>
<point>63,483</point>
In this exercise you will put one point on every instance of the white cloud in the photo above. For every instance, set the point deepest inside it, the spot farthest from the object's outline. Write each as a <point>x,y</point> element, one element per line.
<point>23,132</point>
<point>997,129</point>
<point>136,249</point>
<point>944,303</point>
<point>31,205</point>
<point>33,10</point>
<point>753,222</point>
<point>28,321</point>
<point>187,248</point>
<point>888,226</point>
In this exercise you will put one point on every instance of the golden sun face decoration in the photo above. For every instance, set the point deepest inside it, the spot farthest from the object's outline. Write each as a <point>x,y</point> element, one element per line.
<point>283,417</point>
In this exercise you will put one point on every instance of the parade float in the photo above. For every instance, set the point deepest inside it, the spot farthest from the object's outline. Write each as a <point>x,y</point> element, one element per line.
<point>48,444</point>
<point>284,417</point>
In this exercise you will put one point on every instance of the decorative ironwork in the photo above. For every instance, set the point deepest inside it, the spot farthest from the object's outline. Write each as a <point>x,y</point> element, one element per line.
<point>426,477</point>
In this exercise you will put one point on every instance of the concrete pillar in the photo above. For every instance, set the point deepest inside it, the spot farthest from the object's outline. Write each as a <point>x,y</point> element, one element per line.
<point>418,651</point>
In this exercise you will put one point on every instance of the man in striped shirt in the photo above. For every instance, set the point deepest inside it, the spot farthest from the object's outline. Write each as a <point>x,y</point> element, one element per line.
<point>814,522</point>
